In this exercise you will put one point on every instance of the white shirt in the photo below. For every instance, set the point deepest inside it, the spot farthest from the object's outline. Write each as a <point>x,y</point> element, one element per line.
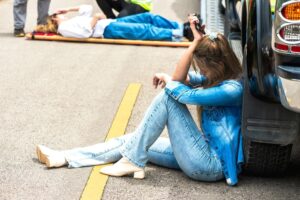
<point>80,26</point>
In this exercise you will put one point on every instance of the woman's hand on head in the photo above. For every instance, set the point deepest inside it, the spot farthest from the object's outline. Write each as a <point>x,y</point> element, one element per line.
<point>193,21</point>
<point>161,79</point>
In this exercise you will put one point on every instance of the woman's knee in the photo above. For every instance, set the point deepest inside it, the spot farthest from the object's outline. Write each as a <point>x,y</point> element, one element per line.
<point>162,96</point>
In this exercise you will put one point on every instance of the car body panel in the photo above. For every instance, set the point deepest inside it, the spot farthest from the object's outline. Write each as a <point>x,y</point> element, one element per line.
<point>271,102</point>
<point>262,57</point>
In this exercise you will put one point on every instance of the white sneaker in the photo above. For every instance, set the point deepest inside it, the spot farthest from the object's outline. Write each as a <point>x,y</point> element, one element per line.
<point>50,157</point>
<point>124,167</point>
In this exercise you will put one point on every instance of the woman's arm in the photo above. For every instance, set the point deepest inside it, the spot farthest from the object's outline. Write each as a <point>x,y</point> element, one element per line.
<point>227,94</point>
<point>195,79</point>
<point>183,66</point>
<point>83,10</point>
<point>66,10</point>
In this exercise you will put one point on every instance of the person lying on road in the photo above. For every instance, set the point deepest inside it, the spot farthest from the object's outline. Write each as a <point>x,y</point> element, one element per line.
<point>145,26</point>
<point>211,153</point>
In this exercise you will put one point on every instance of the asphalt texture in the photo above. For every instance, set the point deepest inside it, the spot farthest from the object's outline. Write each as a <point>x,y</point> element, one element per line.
<point>65,95</point>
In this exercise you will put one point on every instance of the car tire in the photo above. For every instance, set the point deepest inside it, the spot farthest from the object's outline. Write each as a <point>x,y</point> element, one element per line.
<point>266,159</point>
<point>261,159</point>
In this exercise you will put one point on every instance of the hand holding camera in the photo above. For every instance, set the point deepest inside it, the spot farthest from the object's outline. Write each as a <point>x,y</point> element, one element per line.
<point>194,29</point>
<point>196,19</point>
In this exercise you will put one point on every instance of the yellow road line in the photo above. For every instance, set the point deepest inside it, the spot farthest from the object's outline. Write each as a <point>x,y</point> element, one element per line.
<point>95,185</point>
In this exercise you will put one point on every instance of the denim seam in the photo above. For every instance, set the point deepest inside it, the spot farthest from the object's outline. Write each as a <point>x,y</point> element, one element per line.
<point>189,130</point>
<point>132,161</point>
<point>123,151</point>
<point>163,152</point>
<point>93,157</point>
<point>190,135</point>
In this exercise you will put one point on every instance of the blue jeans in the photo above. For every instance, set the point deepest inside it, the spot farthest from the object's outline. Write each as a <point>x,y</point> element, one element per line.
<point>145,26</point>
<point>185,149</point>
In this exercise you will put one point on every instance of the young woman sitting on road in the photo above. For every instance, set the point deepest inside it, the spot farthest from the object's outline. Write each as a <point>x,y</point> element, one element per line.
<point>210,154</point>
<point>145,26</point>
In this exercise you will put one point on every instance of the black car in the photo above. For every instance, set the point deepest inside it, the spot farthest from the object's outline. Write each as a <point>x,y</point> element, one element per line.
<point>269,35</point>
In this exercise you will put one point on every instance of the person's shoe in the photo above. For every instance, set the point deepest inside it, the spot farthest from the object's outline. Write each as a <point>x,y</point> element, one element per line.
<point>42,152</point>
<point>19,32</point>
<point>55,160</point>
<point>50,157</point>
<point>124,167</point>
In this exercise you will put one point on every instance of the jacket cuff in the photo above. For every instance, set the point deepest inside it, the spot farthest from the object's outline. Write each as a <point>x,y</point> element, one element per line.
<point>196,79</point>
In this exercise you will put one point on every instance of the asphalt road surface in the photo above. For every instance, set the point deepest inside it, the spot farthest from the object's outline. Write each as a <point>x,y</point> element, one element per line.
<point>65,95</point>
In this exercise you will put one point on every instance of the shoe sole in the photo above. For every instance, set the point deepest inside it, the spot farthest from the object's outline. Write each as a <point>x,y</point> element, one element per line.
<point>20,35</point>
<point>136,175</point>
<point>47,163</point>
<point>42,158</point>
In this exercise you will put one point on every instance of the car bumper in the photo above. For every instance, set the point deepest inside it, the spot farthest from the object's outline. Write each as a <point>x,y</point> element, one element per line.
<point>289,87</point>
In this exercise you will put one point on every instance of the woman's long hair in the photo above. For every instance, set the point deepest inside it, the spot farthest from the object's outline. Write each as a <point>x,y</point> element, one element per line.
<point>50,26</point>
<point>217,58</point>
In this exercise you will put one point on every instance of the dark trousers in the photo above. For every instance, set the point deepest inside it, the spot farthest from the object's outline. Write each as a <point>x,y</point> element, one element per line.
<point>121,6</point>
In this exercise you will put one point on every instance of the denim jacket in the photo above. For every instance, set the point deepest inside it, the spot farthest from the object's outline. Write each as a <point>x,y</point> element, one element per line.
<point>221,118</point>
